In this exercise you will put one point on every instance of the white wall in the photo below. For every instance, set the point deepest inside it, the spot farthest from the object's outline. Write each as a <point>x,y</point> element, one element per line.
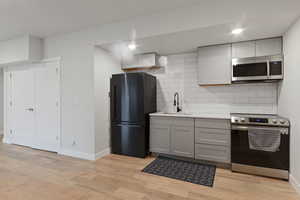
<point>104,66</point>
<point>289,95</point>
<point>1,101</point>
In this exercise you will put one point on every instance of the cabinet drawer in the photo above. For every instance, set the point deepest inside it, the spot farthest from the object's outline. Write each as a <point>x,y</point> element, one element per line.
<point>178,121</point>
<point>217,153</point>
<point>212,136</point>
<point>165,121</point>
<point>212,123</point>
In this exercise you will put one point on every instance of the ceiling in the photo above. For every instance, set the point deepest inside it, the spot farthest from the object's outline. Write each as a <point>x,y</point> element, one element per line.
<point>47,17</point>
<point>189,41</point>
<point>259,18</point>
<point>213,18</point>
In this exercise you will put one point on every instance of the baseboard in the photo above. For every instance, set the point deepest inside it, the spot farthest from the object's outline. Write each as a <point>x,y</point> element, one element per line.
<point>295,183</point>
<point>76,154</point>
<point>103,153</point>
<point>83,155</point>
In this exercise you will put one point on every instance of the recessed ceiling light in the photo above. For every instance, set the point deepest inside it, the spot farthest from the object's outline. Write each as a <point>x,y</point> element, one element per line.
<point>237,31</point>
<point>132,46</point>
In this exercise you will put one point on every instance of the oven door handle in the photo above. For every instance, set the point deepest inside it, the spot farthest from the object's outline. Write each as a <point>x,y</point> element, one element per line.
<point>246,128</point>
<point>239,128</point>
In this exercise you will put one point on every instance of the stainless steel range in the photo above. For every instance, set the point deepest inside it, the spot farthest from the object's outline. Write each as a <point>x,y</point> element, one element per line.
<point>260,145</point>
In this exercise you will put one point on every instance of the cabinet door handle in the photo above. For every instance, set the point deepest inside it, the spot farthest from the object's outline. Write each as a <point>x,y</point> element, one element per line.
<point>30,109</point>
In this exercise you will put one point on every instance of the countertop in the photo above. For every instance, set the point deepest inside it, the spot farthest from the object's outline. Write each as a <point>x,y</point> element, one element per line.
<point>193,115</point>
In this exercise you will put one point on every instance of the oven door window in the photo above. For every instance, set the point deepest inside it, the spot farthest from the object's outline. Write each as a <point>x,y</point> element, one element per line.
<point>250,70</point>
<point>241,153</point>
<point>275,68</point>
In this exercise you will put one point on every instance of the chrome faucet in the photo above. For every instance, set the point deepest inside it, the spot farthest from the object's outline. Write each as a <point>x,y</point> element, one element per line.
<point>176,102</point>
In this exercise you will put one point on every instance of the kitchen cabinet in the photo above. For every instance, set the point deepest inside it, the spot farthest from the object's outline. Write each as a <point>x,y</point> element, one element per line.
<point>243,49</point>
<point>257,48</point>
<point>160,129</point>
<point>212,140</point>
<point>174,136</point>
<point>197,138</point>
<point>214,65</point>
<point>268,47</point>
<point>182,136</point>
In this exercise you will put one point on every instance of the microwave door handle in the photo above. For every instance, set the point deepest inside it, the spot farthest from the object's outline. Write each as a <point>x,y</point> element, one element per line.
<point>268,69</point>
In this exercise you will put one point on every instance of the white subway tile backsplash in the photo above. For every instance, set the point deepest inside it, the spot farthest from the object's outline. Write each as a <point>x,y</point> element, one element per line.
<point>180,75</point>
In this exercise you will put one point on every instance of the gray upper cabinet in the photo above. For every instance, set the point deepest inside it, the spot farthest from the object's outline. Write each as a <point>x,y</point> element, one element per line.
<point>214,65</point>
<point>257,48</point>
<point>215,62</point>
<point>268,47</point>
<point>243,49</point>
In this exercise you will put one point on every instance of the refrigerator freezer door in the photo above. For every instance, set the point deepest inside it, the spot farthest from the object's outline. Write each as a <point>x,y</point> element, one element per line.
<point>127,98</point>
<point>129,140</point>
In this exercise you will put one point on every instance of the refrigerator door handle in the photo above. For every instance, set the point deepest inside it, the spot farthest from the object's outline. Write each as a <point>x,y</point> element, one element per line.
<point>130,125</point>
<point>115,102</point>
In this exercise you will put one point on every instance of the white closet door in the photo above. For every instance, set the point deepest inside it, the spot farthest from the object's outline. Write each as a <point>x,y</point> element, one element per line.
<point>22,94</point>
<point>47,126</point>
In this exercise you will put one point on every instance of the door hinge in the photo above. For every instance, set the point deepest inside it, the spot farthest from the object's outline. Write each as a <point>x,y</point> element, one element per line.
<point>56,69</point>
<point>10,75</point>
<point>10,131</point>
<point>10,103</point>
<point>57,104</point>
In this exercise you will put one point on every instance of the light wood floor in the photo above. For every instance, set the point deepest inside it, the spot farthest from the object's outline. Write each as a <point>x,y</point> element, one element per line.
<point>27,174</point>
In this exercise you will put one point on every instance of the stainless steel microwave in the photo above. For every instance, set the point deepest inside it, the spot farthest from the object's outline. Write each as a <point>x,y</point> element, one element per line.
<point>267,68</point>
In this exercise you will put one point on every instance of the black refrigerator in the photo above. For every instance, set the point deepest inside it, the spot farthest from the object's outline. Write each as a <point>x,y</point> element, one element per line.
<point>132,98</point>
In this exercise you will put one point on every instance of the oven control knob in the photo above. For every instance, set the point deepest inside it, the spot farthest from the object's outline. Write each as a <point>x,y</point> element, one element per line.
<point>274,121</point>
<point>243,119</point>
<point>282,121</point>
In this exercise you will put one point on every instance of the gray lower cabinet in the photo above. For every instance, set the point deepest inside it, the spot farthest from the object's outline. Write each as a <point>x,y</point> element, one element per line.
<point>172,135</point>
<point>204,139</point>
<point>160,139</point>
<point>212,140</point>
<point>181,139</point>
<point>160,129</point>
